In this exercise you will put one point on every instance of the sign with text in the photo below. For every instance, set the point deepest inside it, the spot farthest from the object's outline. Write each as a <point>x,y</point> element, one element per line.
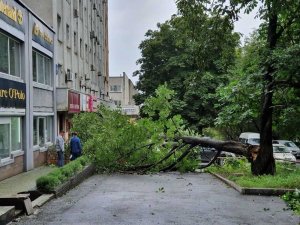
<point>12,13</point>
<point>74,102</point>
<point>12,94</point>
<point>42,35</point>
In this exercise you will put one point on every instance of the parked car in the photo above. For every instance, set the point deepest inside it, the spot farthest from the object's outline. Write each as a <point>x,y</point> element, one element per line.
<point>250,138</point>
<point>291,147</point>
<point>281,153</point>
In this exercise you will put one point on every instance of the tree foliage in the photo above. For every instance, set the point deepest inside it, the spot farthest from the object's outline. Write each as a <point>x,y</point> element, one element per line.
<point>190,52</point>
<point>119,144</point>
<point>253,88</point>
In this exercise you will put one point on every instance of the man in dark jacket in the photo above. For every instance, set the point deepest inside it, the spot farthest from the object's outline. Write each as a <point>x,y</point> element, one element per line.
<point>75,146</point>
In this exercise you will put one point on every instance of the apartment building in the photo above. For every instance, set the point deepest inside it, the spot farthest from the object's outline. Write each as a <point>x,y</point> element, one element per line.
<point>27,89</point>
<point>121,92</point>
<point>81,46</point>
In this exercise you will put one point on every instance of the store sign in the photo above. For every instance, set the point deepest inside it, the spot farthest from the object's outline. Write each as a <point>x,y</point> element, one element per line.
<point>74,102</point>
<point>42,35</point>
<point>83,104</point>
<point>12,14</point>
<point>90,102</point>
<point>12,94</point>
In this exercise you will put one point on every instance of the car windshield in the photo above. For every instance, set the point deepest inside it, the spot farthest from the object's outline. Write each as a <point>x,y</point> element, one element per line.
<point>254,141</point>
<point>290,144</point>
<point>280,149</point>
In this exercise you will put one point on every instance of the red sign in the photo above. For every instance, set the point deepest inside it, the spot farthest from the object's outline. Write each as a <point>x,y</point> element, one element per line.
<point>74,102</point>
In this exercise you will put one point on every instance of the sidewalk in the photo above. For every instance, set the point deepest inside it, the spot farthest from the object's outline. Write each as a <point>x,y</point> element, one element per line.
<point>22,182</point>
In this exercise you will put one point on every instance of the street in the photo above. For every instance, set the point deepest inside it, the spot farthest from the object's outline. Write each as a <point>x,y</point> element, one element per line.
<point>171,198</point>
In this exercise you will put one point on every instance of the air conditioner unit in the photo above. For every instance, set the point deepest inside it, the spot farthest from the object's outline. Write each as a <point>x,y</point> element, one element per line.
<point>99,74</point>
<point>98,14</point>
<point>92,34</point>
<point>87,77</point>
<point>76,14</point>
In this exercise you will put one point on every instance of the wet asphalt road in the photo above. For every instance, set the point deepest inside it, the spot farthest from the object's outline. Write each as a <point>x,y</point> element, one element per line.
<point>164,199</point>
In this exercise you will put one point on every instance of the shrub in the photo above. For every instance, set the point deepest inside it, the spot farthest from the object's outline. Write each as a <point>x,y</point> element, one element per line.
<point>47,183</point>
<point>59,175</point>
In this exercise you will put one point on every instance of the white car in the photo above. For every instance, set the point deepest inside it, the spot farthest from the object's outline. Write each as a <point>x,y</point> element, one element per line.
<point>291,147</point>
<point>281,153</point>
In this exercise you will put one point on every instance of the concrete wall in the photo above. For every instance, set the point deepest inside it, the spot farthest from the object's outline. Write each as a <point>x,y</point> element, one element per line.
<point>79,52</point>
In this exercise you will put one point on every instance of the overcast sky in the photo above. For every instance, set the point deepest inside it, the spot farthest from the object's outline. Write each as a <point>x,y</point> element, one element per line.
<point>128,21</point>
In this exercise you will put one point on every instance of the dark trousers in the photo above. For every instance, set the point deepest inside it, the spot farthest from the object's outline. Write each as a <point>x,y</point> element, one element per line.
<point>75,155</point>
<point>60,158</point>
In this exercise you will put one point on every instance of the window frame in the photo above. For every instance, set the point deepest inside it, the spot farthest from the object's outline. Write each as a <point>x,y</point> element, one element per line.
<point>46,71</point>
<point>47,121</point>
<point>9,40</point>
<point>8,121</point>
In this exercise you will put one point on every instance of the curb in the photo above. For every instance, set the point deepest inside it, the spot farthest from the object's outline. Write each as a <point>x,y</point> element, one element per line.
<point>253,191</point>
<point>7,214</point>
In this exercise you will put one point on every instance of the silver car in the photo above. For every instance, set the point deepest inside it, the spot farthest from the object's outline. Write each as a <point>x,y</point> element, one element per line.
<point>290,146</point>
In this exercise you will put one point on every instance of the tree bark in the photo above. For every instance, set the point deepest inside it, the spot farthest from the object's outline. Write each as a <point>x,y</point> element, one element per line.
<point>265,163</point>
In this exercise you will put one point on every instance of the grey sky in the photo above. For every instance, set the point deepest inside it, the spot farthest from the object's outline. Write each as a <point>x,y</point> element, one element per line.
<point>128,22</point>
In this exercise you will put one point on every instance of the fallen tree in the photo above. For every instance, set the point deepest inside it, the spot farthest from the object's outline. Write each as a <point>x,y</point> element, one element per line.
<point>158,143</point>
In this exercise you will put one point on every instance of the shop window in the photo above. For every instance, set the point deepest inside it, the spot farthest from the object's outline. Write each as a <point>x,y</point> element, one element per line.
<point>9,56</point>
<point>16,133</point>
<point>41,68</point>
<point>10,135</point>
<point>42,130</point>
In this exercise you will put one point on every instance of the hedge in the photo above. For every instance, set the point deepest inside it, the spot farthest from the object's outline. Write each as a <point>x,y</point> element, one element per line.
<point>49,182</point>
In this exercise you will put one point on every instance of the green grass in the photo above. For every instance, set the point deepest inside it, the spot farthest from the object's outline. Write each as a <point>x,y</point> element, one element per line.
<point>287,175</point>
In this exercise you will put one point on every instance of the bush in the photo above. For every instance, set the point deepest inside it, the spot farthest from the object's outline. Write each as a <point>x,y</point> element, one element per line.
<point>49,182</point>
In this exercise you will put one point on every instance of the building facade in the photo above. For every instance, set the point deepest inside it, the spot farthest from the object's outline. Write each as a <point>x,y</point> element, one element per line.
<point>81,47</point>
<point>27,89</point>
<point>121,92</point>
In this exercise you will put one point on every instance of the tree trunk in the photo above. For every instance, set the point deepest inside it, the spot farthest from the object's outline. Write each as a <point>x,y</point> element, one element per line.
<point>265,163</point>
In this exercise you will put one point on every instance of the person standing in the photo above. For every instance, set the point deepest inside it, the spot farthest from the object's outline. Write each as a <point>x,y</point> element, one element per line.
<point>75,146</point>
<point>60,148</point>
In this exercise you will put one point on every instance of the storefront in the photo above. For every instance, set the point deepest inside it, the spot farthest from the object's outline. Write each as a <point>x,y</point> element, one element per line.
<point>26,89</point>
<point>43,89</point>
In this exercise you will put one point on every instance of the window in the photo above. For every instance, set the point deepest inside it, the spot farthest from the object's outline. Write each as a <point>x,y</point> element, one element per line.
<point>9,56</point>
<point>42,130</point>
<point>41,68</point>
<point>86,53</point>
<point>115,88</point>
<point>117,103</point>
<point>80,9</point>
<point>59,28</point>
<point>80,43</point>
<point>75,42</point>
<point>10,135</point>
<point>68,32</point>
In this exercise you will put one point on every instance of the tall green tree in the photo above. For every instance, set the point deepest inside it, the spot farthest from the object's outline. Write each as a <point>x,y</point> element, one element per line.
<point>191,53</point>
<point>280,25</point>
